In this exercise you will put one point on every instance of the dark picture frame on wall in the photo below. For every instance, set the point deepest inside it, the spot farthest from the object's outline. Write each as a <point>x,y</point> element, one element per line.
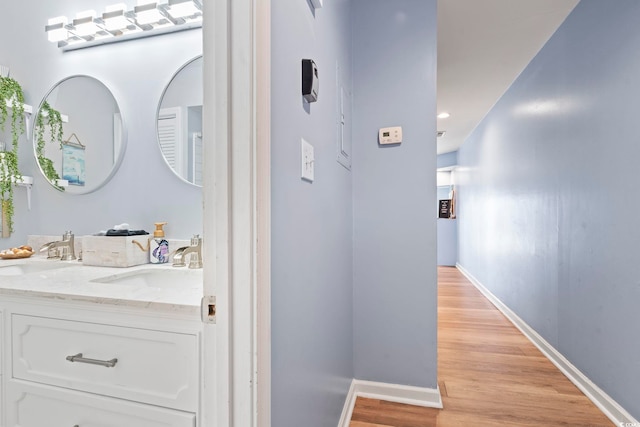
<point>444,208</point>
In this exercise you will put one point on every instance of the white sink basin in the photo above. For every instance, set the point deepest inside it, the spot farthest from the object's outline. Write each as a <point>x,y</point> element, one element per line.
<point>156,278</point>
<point>31,267</point>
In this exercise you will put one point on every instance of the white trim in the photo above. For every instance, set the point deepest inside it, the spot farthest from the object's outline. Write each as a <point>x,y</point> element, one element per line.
<point>216,383</point>
<point>231,221</point>
<point>616,413</point>
<point>349,404</point>
<point>408,395</point>
<point>263,216</point>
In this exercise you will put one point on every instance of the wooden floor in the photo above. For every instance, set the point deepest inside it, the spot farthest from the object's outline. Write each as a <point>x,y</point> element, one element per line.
<point>489,373</point>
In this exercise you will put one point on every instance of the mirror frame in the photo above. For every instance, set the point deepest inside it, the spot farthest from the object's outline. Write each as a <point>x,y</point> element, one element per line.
<point>164,92</point>
<point>123,145</point>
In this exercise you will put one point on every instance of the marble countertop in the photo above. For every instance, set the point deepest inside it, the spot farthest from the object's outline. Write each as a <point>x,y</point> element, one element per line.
<point>157,287</point>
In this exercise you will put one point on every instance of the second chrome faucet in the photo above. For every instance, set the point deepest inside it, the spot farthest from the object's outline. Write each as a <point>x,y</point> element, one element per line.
<point>194,250</point>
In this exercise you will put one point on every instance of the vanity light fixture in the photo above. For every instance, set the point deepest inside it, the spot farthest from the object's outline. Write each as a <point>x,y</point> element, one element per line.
<point>71,42</point>
<point>85,29</point>
<point>186,9</point>
<point>56,29</point>
<point>148,14</point>
<point>117,23</point>
<point>83,25</point>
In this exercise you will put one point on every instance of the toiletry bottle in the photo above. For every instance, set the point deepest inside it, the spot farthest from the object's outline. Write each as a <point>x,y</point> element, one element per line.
<point>158,246</point>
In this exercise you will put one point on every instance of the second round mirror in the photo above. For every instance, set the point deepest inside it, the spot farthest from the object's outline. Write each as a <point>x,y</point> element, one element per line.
<point>180,122</point>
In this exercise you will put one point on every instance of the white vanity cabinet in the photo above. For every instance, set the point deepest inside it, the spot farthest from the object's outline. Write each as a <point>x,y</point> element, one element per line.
<point>98,365</point>
<point>1,369</point>
<point>37,405</point>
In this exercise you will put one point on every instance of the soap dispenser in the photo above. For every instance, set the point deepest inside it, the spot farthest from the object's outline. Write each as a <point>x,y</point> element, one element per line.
<point>159,246</point>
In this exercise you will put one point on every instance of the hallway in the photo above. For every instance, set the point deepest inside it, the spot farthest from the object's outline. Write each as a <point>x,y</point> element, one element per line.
<point>488,372</point>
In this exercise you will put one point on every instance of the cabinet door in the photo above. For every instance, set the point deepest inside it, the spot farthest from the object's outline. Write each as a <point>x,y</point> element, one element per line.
<point>36,405</point>
<point>155,367</point>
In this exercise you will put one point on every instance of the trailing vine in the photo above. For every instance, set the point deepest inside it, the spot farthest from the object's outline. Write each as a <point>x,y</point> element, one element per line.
<point>54,121</point>
<point>10,90</point>
<point>10,93</point>
<point>7,172</point>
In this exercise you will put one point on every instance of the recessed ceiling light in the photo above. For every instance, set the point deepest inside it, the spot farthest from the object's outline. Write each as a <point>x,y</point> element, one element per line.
<point>444,115</point>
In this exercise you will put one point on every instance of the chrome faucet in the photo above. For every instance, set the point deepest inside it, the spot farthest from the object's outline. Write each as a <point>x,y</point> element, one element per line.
<point>66,245</point>
<point>194,250</point>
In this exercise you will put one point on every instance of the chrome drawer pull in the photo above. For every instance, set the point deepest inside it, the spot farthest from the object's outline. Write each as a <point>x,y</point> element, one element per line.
<point>106,363</point>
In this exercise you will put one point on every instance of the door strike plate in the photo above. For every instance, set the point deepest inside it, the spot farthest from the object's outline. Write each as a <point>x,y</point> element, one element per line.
<point>208,309</point>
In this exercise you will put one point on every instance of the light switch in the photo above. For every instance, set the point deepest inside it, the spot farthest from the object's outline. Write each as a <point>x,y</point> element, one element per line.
<point>308,160</point>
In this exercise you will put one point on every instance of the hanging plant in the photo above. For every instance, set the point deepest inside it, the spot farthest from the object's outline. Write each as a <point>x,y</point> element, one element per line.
<point>8,170</point>
<point>11,91</point>
<point>48,116</point>
<point>11,97</point>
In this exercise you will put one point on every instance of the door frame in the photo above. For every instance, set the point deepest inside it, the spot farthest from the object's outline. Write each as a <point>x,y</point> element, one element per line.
<point>236,385</point>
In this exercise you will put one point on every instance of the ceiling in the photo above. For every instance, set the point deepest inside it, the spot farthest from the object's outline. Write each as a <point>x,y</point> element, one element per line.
<point>483,45</point>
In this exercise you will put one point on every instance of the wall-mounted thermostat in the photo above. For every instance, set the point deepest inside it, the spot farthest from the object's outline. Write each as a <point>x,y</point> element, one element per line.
<point>390,135</point>
<point>310,82</point>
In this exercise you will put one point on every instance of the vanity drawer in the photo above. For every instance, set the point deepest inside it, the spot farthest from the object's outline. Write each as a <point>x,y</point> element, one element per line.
<point>36,405</point>
<point>154,367</point>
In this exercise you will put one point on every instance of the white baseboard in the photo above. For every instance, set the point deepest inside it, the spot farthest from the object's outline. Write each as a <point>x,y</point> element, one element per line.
<point>616,413</point>
<point>417,396</point>
<point>349,404</point>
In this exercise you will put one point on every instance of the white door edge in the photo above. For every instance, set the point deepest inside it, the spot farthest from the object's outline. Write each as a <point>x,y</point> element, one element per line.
<point>263,294</point>
<point>236,221</point>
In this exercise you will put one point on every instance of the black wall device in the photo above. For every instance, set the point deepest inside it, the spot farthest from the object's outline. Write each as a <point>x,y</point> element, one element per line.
<point>310,81</point>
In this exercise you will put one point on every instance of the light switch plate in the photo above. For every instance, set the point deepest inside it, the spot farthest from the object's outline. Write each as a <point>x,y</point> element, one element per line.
<point>307,161</point>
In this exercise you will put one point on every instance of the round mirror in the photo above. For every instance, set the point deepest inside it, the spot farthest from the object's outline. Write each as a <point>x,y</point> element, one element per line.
<point>78,135</point>
<point>180,122</point>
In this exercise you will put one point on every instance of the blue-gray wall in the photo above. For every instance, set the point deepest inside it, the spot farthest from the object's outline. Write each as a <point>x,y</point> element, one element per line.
<point>312,337</point>
<point>353,253</point>
<point>144,190</point>
<point>394,188</point>
<point>548,193</point>
<point>447,159</point>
